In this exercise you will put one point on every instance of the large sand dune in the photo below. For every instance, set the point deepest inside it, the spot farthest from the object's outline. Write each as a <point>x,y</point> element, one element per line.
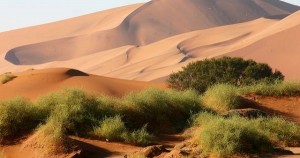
<point>150,41</point>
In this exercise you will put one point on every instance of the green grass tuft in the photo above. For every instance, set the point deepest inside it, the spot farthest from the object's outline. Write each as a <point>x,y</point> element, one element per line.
<point>278,89</point>
<point>162,110</point>
<point>17,117</point>
<point>7,77</point>
<point>139,137</point>
<point>222,97</point>
<point>281,132</point>
<point>52,137</point>
<point>225,137</point>
<point>111,128</point>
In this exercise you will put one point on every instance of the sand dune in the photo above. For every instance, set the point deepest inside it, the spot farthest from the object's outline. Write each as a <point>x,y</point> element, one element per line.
<point>158,38</point>
<point>83,25</point>
<point>153,21</point>
<point>280,50</point>
<point>34,83</point>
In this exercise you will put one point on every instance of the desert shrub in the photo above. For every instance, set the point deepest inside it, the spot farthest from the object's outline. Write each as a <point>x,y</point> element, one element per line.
<point>276,89</point>
<point>139,137</point>
<point>53,138</point>
<point>203,118</point>
<point>111,128</point>
<point>281,132</point>
<point>224,137</point>
<point>162,110</point>
<point>227,138</point>
<point>222,97</point>
<point>71,112</point>
<point>109,106</point>
<point>16,117</point>
<point>202,74</point>
<point>7,77</point>
<point>47,103</point>
<point>76,111</point>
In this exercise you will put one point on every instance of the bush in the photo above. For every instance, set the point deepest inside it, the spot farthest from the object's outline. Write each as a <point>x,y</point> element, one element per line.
<point>52,137</point>
<point>111,128</point>
<point>202,74</point>
<point>162,110</point>
<point>281,132</point>
<point>225,137</point>
<point>222,97</point>
<point>16,117</point>
<point>203,118</point>
<point>139,137</point>
<point>7,77</point>
<point>70,111</point>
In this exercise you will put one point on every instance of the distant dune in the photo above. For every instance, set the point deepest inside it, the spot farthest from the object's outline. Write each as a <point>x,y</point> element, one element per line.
<point>150,41</point>
<point>34,83</point>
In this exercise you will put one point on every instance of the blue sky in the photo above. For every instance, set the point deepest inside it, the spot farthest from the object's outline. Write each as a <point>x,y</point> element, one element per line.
<point>22,13</point>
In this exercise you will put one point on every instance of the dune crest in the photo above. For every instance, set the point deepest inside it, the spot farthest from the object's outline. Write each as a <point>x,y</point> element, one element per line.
<point>34,83</point>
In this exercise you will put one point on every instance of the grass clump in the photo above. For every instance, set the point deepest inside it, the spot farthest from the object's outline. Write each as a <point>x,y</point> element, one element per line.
<point>222,97</point>
<point>7,77</point>
<point>139,137</point>
<point>111,128</point>
<point>280,132</point>
<point>162,110</point>
<point>277,89</point>
<point>16,117</point>
<point>53,138</point>
<point>73,112</point>
<point>227,137</point>
<point>76,111</point>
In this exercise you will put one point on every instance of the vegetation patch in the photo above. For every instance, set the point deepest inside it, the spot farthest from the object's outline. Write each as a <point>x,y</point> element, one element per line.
<point>74,112</point>
<point>52,138</point>
<point>222,97</point>
<point>227,137</point>
<point>138,117</point>
<point>111,129</point>
<point>139,137</point>
<point>161,110</point>
<point>17,117</point>
<point>201,75</point>
<point>276,89</point>
<point>7,77</point>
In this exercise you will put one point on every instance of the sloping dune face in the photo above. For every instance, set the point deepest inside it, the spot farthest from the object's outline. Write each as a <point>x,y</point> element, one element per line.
<point>153,21</point>
<point>281,49</point>
<point>66,29</point>
<point>34,83</point>
<point>150,41</point>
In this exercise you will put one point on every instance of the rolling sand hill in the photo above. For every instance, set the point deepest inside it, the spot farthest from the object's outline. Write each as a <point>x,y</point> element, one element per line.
<point>34,83</point>
<point>149,41</point>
